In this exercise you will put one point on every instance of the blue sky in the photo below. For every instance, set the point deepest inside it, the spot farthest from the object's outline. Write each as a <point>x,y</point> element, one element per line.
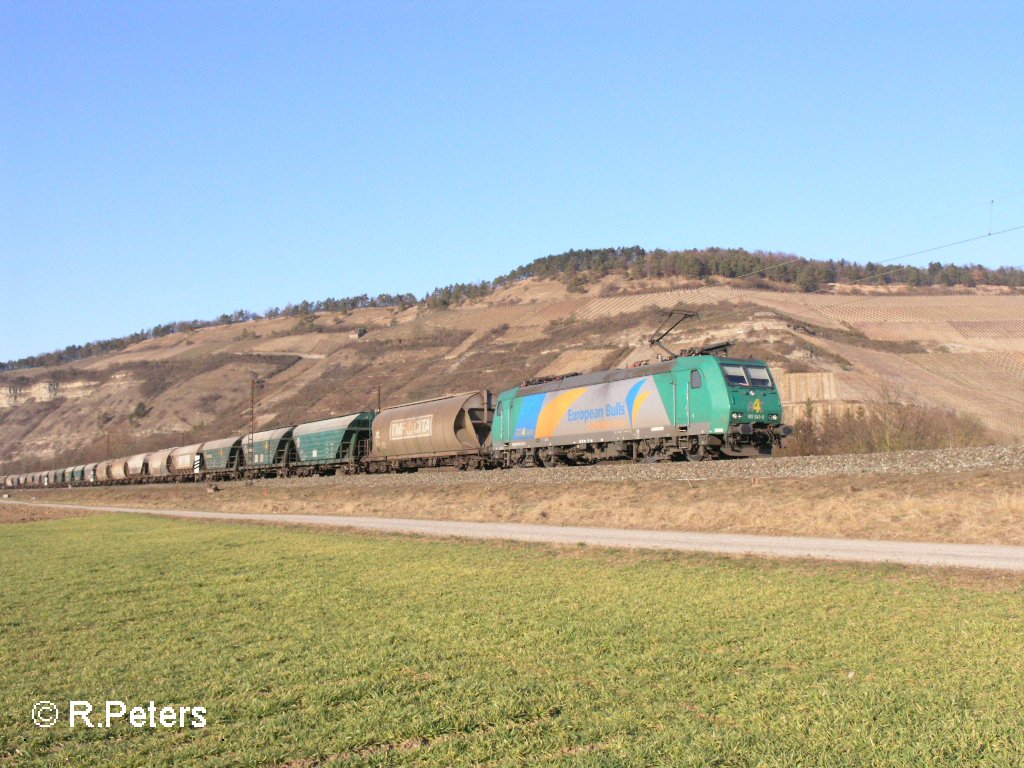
<point>166,161</point>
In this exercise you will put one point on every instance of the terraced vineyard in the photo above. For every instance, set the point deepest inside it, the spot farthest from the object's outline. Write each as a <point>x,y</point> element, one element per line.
<point>194,386</point>
<point>1002,373</point>
<point>993,329</point>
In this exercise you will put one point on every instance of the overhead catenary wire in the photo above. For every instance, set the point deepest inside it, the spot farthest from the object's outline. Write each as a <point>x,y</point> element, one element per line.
<point>935,217</point>
<point>877,275</point>
<point>990,233</point>
<point>354,382</point>
<point>355,385</point>
<point>373,383</point>
<point>996,395</point>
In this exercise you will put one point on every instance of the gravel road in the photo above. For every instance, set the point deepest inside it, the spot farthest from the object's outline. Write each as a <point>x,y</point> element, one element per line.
<point>989,557</point>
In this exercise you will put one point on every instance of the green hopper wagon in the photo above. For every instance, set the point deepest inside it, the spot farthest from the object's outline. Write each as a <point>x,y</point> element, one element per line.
<point>330,442</point>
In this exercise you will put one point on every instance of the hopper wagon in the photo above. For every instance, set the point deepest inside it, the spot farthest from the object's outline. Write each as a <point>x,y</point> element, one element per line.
<point>268,453</point>
<point>222,459</point>
<point>446,431</point>
<point>327,445</point>
<point>186,462</point>
<point>135,467</point>
<point>158,466</point>
<point>103,471</point>
<point>119,470</point>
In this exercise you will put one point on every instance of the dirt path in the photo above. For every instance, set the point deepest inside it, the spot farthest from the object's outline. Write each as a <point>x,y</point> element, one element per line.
<point>983,556</point>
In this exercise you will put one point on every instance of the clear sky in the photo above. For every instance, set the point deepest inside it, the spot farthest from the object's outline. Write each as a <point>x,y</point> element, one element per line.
<point>176,160</point>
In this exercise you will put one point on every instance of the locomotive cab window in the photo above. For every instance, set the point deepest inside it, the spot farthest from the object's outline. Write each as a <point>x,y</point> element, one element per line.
<point>734,374</point>
<point>759,376</point>
<point>695,380</point>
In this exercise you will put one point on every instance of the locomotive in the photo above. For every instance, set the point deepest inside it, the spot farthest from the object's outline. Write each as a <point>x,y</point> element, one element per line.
<point>693,407</point>
<point>697,406</point>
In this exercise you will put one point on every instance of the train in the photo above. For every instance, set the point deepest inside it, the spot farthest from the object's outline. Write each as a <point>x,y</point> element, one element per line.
<point>691,407</point>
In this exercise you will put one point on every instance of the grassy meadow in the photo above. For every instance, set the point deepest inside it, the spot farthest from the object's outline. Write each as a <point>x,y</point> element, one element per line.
<point>312,648</point>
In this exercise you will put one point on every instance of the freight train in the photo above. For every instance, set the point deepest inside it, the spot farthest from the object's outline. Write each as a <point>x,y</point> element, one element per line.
<point>692,407</point>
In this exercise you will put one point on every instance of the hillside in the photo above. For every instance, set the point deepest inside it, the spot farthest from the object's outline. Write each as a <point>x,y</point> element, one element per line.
<point>960,350</point>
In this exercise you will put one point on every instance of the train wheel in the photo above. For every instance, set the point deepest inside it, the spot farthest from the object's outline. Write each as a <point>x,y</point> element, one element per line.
<point>696,453</point>
<point>549,458</point>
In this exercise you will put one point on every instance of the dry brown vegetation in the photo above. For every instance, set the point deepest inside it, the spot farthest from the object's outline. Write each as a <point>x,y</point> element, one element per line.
<point>26,513</point>
<point>882,426</point>
<point>969,507</point>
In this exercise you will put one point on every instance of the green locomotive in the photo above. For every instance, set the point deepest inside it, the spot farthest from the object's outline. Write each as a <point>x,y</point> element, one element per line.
<point>697,407</point>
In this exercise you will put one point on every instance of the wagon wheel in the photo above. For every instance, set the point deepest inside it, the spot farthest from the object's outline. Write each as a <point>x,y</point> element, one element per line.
<point>696,453</point>
<point>551,459</point>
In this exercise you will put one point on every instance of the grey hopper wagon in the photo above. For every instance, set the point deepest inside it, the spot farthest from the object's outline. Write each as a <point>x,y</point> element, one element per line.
<point>187,460</point>
<point>136,465</point>
<point>159,464</point>
<point>103,471</point>
<point>119,469</point>
<point>446,431</point>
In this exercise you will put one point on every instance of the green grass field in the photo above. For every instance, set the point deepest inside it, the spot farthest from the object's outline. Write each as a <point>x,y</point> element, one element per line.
<point>310,648</point>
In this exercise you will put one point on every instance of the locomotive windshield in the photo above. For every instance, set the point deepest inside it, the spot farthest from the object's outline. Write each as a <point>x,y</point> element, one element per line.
<point>734,374</point>
<point>747,375</point>
<point>759,376</point>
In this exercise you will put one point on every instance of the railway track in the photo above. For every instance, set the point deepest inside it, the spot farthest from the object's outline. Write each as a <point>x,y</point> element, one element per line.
<point>946,461</point>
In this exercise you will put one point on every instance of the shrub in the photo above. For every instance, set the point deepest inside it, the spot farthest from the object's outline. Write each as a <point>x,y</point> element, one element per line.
<point>882,425</point>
